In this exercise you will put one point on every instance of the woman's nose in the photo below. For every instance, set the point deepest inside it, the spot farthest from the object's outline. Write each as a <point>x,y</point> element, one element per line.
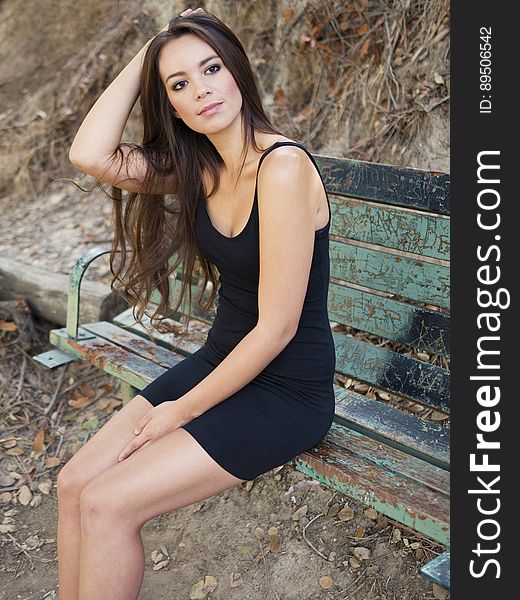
<point>202,92</point>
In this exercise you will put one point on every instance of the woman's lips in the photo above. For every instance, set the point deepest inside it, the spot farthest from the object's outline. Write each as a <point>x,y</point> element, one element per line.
<point>212,109</point>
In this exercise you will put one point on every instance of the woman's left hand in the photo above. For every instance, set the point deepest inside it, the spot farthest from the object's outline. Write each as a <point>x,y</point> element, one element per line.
<point>161,419</point>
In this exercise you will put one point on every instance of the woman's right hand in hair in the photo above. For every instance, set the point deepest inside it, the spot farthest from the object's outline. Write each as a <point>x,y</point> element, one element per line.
<point>189,10</point>
<point>183,14</point>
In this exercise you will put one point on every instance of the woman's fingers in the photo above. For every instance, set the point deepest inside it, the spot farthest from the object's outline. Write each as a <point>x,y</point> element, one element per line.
<point>134,445</point>
<point>189,10</point>
<point>142,424</point>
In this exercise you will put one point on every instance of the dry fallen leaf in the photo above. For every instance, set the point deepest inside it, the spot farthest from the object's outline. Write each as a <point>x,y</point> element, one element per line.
<point>15,451</point>
<point>396,536</point>
<point>39,439</point>
<point>235,580</point>
<point>80,402</point>
<point>371,513</point>
<point>439,592</point>
<point>296,516</point>
<point>24,495</point>
<point>276,543</point>
<point>161,565</point>
<point>361,553</point>
<point>7,326</point>
<point>326,582</point>
<point>346,513</point>
<point>109,389</point>
<point>333,510</point>
<point>202,588</point>
<point>86,390</point>
<point>45,486</point>
<point>438,416</point>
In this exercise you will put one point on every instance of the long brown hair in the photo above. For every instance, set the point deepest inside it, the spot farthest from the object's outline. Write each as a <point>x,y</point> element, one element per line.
<point>159,234</point>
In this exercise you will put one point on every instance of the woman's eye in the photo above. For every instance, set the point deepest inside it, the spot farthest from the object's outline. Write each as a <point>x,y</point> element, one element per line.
<point>175,88</point>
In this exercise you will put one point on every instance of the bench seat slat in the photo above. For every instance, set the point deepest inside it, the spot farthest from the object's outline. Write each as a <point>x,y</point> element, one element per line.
<point>391,227</point>
<point>389,370</point>
<point>407,277</point>
<point>134,339</point>
<point>115,360</point>
<point>395,496</point>
<point>420,437</point>
<point>389,459</point>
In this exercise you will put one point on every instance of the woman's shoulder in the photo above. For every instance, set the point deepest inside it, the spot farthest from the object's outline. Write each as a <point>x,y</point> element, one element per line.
<point>273,139</point>
<point>290,163</point>
<point>284,154</point>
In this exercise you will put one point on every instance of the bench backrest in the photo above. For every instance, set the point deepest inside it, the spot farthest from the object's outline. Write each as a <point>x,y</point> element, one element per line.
<point>389,275</point>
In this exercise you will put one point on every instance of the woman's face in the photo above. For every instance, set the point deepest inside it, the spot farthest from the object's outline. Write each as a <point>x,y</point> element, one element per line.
<point>199,79</point>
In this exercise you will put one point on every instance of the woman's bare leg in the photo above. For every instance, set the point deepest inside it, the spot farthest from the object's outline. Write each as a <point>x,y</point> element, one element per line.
<point>171,472</point>
<point>98,454</point>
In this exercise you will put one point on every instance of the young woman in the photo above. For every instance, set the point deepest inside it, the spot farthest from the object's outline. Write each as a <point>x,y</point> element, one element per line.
<point>251,203</point>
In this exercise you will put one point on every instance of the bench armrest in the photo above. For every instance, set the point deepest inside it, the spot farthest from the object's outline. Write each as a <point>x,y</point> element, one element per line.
<point>75,278</point>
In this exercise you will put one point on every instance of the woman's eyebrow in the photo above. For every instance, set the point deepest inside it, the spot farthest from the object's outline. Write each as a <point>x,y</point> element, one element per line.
<point>202,62</point>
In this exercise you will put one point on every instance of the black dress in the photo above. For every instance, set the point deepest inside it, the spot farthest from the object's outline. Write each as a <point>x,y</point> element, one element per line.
<point>289,406</point>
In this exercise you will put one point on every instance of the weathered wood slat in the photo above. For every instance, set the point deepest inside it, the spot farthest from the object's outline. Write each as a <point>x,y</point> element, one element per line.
<point>137,345</point>
<point>389,184</point>
<point>131,335</point>
<point>396,321</point>
<point>412,279</point>
<point>390,459</point>
<point>397,497</point>
<point>409,433</point>
<point>115,360</point>
<point>438,570</point>
<point>392,319</point>
<point>391,371</point>
<point>419,233</point>
<point>376,419</point>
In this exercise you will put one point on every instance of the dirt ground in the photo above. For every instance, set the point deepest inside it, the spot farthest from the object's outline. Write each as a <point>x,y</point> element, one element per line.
<point>282,536</point>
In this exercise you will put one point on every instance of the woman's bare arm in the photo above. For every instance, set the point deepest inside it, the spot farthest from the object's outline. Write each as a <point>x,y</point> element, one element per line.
<point>100,134</point>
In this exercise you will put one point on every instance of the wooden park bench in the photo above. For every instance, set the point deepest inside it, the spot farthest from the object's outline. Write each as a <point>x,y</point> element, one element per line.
<point>389,278</point>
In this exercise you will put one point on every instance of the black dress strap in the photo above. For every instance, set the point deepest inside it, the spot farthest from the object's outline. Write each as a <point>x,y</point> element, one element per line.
<point>289,143</point>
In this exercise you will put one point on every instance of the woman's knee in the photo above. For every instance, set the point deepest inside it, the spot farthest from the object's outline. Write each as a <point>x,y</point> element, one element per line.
<point>102,507</point>
<point>71,481</point>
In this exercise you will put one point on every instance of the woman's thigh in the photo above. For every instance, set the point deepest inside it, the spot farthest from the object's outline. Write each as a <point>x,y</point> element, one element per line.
<point>172,472</point>
<point>102,450</point>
